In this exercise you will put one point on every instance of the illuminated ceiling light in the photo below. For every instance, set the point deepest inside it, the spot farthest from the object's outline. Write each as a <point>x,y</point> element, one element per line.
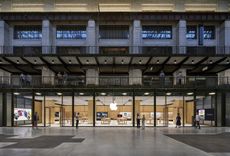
<point>0,61</point>
<point>124,93</point>
<point>227,61</point>
<point>175,62</point>
<point>205,68</point>
<point>146,93</point>
<point>168,93</point>
<point>210,61</point>
<point>81,93</point>
<point>151,68</point>
<point>87,61</point>
<point>35,61</point>
<point>70,62</point>
<point>18,62</point>
<point>190,93</point>
<point>140,61</point>
<point>59,94</point>
<point>16,93</point>
<point>105,61</point>
<point>158,61</point>
<point>212,93</point>
<point>122,61</point>
<point>52,61</point>
<point>192,61</point>
<point>38,93</point>
<point>103,94</point>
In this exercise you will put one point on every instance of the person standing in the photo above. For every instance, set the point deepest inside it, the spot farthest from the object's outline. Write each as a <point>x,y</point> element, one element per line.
<point>143,122</point>
<point>77,120</point>
<point>197,120</point>
<point>162,78</point>
<point>35,120</point>
<point>178,120</point>
<point>138,120</point>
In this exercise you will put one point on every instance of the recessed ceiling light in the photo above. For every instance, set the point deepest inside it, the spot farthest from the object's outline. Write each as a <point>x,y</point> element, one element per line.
<point>175,62</point>
<point>87,61</point>
<point>81,93</point>
<point>227,61</point>
<point>140,61</point>
<point>16,93</point>
<point>18,62</point>
<point>212,93</point>
<point>59,94</point>
<point>168,93</point>
<point>52,61</point>
<point>158,61</point>
<point>151,68</point>
<point>205,68</point>
<point>146,93</point>
<point>105,61</point>
<point>70,61</point>
<point>192,61</point>
<point>38,93</point>
<point>103,94</point>
<point>122,61</point>
<point>210,61</point>
<point>190,93</point>
<point>35,61</point>
<point>124,93</point>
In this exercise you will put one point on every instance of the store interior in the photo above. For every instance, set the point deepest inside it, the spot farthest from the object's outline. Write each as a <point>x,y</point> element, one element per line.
<point>55,110</point>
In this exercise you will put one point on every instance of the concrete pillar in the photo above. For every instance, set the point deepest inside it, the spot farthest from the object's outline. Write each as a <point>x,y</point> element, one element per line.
<point>179,76</point>
<point>135,77</point>
<point>47,37</point>
<point>92,77</point>
<point>224,40</point>
<point>4,38</point>
<point>137,38</point>
<point>5,77</point>
<point>48,76</point>
<point>224,77</point>
<point>181,37</point>
<point>91,37</point>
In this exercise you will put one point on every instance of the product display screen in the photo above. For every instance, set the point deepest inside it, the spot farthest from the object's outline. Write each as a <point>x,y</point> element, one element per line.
<point>201,113</point>
<point>22,114</point>
<point>101,115</point>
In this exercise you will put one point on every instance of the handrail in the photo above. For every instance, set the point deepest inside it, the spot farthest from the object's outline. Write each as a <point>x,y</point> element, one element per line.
<point>164,50</point>
<point>106,81</point>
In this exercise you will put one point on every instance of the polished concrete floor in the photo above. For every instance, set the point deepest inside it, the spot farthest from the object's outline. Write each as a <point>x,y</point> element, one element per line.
<point>103,141</point>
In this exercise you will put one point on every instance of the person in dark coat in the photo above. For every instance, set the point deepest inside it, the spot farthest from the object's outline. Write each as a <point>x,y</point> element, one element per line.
<point>138,120</point>
<point>178,120</point>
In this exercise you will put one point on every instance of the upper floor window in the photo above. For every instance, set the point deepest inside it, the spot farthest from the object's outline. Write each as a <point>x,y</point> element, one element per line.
<point>71,32</point>
<point>209,32</point>
<point>157,32</point>
<point>28,32</point>
<point>191,32</point>
<point>114,31</point>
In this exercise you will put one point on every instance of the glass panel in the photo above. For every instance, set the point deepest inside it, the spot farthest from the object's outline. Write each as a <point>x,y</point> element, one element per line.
<point>114,109</point>
<point>66,109</point>
<point>191,32</point>
<point>114,31</point>
<point>83,104</point>
<point>209,32</point>
<point>39,105</point>
<point>157,32</point>
<point>144,106</point>
<point>161,109</point>
<point>22,109</point>
<point>189,109</point>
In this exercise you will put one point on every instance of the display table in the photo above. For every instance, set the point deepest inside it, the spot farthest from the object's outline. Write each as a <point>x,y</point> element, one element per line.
<point>105,120</point>
<point>84,119</point>
<point>121,121</point>
<point>149,120</point>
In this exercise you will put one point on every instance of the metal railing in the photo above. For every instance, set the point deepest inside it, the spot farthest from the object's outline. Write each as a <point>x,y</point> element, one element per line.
<point>130,50</point>
<point>116,81</point>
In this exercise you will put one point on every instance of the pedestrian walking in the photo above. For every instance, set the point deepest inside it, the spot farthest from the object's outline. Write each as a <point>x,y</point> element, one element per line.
<point>178,120</point>
<point>143,122</point>
<point>138,120</point>
<point>35,120</point>
<point>77,119</point>
<point>197,120</point>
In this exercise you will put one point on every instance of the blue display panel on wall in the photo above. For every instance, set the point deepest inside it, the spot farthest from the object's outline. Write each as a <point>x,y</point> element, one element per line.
<point>157,32</point>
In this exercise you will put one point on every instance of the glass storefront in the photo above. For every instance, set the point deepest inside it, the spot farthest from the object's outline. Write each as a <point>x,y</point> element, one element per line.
<point>107,108</point>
